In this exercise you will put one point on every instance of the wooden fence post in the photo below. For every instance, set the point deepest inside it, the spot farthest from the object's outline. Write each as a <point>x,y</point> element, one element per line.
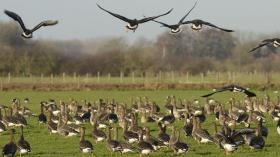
<point>202,78</point>
<point>187,77</point>
<point>121,77</point>
<point>78,82</point>
<point>51,78</point>
<point>109,77</point>
<point>87,78</point>
<point>172,77</point>
<point>63,77</point>
<point>218,77</point>
<point>1,85</point>
<point>42,77</point>
<point>133,77</point>
<point>98,77</point>
<point>9,77</point>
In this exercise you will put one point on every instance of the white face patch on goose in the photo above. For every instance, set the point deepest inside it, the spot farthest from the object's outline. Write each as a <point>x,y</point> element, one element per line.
<point>196,27</point>
<point>132,27</point>
<point>276,43</point>
<point>174,31</point>
<point>26,35</point>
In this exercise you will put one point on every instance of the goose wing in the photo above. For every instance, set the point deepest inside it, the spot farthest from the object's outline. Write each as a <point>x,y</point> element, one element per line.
<point>16,17</point>
<point>45,23</point>
<point>22,144</point>
<point>146,19</point>
<point>163,24</point>
<point>85,144</point>
<point>217,91</point>
<point>115,15</point>
<point>183,18</point>
<point>212,25</point>
<point>264,43</point>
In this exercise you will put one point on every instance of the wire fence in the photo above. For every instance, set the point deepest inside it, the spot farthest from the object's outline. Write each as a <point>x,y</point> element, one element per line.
<point>149,78</point>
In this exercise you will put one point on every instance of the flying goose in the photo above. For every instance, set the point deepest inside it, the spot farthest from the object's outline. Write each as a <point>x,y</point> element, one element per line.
<point>23,146</point>
<point>197,25</point>
<point>10,149</point>
<point>275,42</point>
<point>175,28</point>
<point>232,88</point>
<point>133,23</point>
<point>85,145</point>
<point>28,33</point>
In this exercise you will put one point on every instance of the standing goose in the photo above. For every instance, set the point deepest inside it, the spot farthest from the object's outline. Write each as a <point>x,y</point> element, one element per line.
<point>278,127</point>
<point>23,146</point>
<point>256,141</point>
<point>112,117</point>
<point>133,23</point>
<point>168,119</point>
<point>162,135</point>
<point>10,149</point>
<point>275,42</point>
<point>188,127</point>
<point>42,118</point>
<point>52,127</point>
<point>9,120</point>
<point>197,25</point>
<point>199,134</point>
<point>113,145</point>
<point>2,126</point>
<point>28,33</point>
<point>175,28</point>
<point>85,145</point>
<point>179,147</point>
<point>129,136</point>
<point>125,147</point>
<point>97,134</point>
<point>145,148</point>
<point>153,141</point>
<point>20,120</point>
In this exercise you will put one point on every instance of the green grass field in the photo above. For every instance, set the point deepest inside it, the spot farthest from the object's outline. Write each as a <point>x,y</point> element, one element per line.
<point>46,145</point>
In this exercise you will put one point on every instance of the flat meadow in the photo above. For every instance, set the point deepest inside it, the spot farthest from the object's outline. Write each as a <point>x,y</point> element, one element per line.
<point>46,145</point>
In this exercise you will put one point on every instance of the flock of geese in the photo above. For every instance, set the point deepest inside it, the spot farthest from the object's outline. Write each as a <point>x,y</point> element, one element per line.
<point>109,117</point>
<point>132,24</point>
<point>241,124</point>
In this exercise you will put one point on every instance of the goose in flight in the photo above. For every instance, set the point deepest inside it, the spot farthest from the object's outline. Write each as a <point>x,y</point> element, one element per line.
<point>275,42</point>
<point>133,23</point>
<point>232,88</point>
<point>175,28</point>
<point>197,25</point>
<point>28,33</point>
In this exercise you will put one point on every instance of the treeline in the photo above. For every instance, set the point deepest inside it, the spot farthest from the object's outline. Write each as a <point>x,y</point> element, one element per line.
<point>193,52</point>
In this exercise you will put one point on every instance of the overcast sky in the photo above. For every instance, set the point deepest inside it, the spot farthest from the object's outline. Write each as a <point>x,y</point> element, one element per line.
<point>81,19</point>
